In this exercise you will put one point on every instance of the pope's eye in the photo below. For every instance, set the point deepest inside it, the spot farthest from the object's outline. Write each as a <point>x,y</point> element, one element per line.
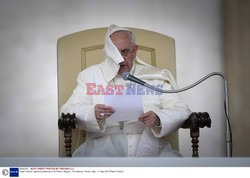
<point>125,52</point>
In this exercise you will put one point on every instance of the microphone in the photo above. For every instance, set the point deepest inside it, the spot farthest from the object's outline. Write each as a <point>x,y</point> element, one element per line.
<point>128,76</point>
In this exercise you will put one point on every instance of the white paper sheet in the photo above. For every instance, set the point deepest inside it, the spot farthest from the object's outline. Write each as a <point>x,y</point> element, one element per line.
<point>127,107</point>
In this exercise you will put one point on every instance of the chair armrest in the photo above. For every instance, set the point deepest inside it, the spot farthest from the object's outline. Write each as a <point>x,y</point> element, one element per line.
<point>197,120</point>
<point>194,122</point>
<point>67,122</point>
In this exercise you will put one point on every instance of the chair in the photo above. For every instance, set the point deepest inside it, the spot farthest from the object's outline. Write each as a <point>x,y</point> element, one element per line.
<point>79,50</point>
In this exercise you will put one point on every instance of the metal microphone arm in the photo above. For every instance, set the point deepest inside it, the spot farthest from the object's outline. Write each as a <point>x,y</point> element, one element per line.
<point>226,104</point>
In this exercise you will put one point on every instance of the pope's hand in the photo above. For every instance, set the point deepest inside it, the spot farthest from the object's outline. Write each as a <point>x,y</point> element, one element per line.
<point>103,111</point>
<point>150,119</point>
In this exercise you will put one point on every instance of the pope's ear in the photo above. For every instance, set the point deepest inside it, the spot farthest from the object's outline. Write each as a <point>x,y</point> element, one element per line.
<point>135,48</point>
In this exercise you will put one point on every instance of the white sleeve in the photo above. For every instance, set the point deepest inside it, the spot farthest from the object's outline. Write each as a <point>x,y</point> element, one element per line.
<point>81,104</point>
<point>172,114</point>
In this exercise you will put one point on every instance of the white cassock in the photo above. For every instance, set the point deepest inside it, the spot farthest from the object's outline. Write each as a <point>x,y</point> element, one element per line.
<point>108,139</point>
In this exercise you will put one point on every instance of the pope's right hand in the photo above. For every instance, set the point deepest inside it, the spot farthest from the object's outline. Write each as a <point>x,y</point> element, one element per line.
<point>103,111</point>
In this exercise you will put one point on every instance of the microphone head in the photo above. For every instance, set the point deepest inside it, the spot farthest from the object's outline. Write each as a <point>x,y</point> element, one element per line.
<point>125,75</point>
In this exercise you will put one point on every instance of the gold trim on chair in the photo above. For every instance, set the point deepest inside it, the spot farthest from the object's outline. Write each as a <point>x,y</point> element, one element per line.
<point>151,51</point>
<point>84,54</point>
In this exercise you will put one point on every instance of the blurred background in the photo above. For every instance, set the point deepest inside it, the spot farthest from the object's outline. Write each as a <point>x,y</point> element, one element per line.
<point>210,35</point>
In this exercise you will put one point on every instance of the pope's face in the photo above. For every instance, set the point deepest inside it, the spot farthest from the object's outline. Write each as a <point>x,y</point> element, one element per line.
<point>123,43</point>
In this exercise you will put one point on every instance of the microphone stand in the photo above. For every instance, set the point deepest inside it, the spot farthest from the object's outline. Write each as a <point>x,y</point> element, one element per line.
<point>228,133</point>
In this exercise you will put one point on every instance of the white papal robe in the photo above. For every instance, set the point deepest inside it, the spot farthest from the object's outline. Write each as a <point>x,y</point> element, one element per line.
<point>109,139</point>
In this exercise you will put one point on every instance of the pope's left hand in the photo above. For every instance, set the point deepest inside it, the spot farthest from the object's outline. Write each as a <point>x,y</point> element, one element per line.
<point>150,119</point>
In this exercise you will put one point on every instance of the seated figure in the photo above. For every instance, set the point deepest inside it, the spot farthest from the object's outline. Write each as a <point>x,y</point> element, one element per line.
<point>162,113</point>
